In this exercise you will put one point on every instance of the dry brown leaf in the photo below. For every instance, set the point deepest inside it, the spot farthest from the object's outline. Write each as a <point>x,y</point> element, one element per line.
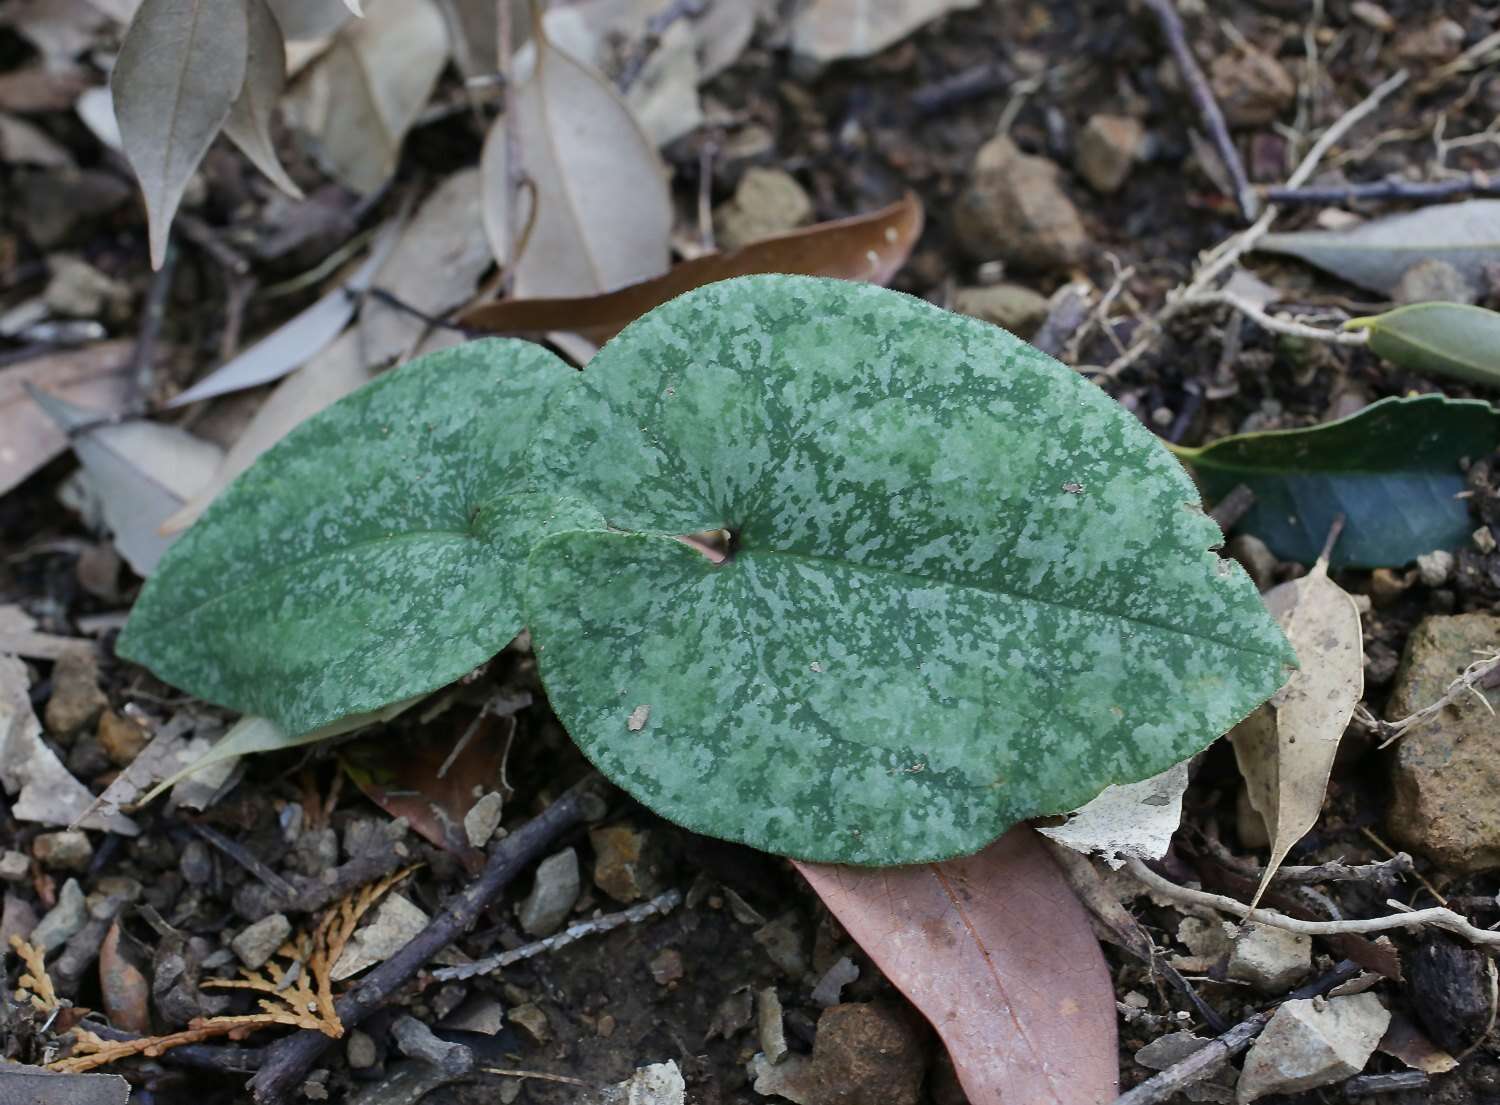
<point>180,69</point>
<point>868,247</point>
<point>602,207</point>
<point>249,122</point>
<point>124,988</point>
<point>95,376</point>
<point>998,953</point>
<point>1285,749</point>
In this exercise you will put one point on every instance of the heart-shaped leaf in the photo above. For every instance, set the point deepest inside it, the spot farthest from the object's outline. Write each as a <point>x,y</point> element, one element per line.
<point>964,588</point>
<point>1392,470</point>
<point>371,555</point>
<point>1452,339</point>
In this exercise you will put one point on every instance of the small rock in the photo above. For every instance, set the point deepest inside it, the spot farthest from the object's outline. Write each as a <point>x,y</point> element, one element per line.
<point>63,920</point>
<point>769,1025</point>
<point>1108,146</point>
<point>1252,87</point>
<point>666,966</point>
<point>1435,568</point>
<point>1431,43</point>
<point>733,1015</point>
<point>396,921</point>
<point>530,1019</point>
<point>483,819</point>
<point>1373,16</point>
<point>1255,557</point>
<point>1015,211</point>
<point>862,1053</point>
<point>67,850</point>
<point>360,1051</point>
<point>832,984</point>
<point>553,894</point>
<point>1270,959</point>
<point>1446,773</point>
<point>257,944</point>
<point>1166,1050</point>
<point>626,866</point>
<point>785,943</point>
<point>76,698</point>
<point>1387,586</point>
<point>1433,281</point>
<point>767,202</point>
<point>86,759</point>
<point>1484,540</point>
<point>121,738</point>
<point>196,865</point>
<point>78,290</point>
<point>15,867</point>
<point>1013,307</point>
<point>657,1084</point>
<point>1449,987</point>
<point>478,1013</point>
<point>1205,939</point>
<point>1312,1042</point>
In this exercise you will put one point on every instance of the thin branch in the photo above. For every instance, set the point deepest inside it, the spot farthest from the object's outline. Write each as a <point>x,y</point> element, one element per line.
<point>1291,328</point>
<point>1476,184</point>
<point>1482,673</point>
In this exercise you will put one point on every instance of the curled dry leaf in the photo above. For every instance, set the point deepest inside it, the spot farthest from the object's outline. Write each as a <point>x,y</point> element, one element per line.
<point>996,951</point>
<point>124,988</point>
<point>1285,749</point>
<point>249,122</point>
<point>869,247</point>
<point>180,70</point>
<point>603,211</point>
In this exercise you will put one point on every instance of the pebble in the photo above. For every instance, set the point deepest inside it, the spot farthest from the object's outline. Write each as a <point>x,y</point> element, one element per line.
<point>1446,774</point>
<point>483,819</point>
<point>1255,557</point>
<point>1251,86</point>
<point>76,698</point>
<point>121,738</point>
<point>360,1050</point>
<point>478,1013</point>
<point>1012,307</point>
<point>1015,211</point>
<point>1312,1042</point>
<point>15,866</point>
<point>1435,568</point>
<point>666,966</point>
<point>1108,146</point>
<point>767,202</point>
<point>769,1025</point>
<point>862,1053</point>
<point>78,290</point>
<point>196,864</point>
<point>1433,281</point>
<point>625,863</point>
<point>258,943</point>
<point>62,920</point>
<point>67,850</point>
<point>785,943</point>
<point>1449,988</point>
<point>832,984</point>
<point>553,894</point>
<point>1373,16</point>
<point>1431,43</point>
<point>531,1020</point>
<point>1270,959</point>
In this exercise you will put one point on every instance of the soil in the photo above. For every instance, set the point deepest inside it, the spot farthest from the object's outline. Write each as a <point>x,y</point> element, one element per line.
<point>852,134</point>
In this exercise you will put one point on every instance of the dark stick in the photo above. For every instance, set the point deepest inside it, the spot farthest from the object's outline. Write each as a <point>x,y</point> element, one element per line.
<point>143,360</point>
<point>1232,507</point>
<point>1203,1062</point>
<point>288,1060</point>
<point>656,26</point>
<point>1477,185</point>
<point>1203,97</point>
<point>963,86</point>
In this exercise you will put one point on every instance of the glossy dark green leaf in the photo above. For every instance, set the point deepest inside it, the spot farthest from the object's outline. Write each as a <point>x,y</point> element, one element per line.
<point>1450,339</point>
<point>965,587</point>
<point>373,554</point>
<point>1393,470</point>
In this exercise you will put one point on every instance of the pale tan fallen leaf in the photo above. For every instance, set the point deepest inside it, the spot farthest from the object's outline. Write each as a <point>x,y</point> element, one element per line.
<point>306,20</point>
<point>826,30</point>
<point>603,215</point>
<point>1133,819</point>
<point>249,122</point>
<point>1285,749</point>
<point>23,144</point>
<point>180,69</point>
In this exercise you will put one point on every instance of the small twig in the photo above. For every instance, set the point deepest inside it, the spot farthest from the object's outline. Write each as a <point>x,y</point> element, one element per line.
<point>288,1060</point>
<point>1472,57</point>
<point>1477,184</point>
<point>1232,507</point>
<point>1482,673</point>
<point>1099,316</point>
<point>1368,1085</point>
<point>1333,871</point>
<point>662,904</point>
<point>541,1076</point>
<point>248,861</point>
<point>1276,325</point>
<point>965,85</point>
<point>1203,98</point>
<point>390,299</point>
<point>1203,1062</point>
<point>153,313</point>
<point>202,235</point>
<point>1435,916</point>
<point>656,26</point>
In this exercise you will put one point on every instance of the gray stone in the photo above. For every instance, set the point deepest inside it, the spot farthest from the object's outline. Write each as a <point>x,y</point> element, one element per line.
<point>76,698</point>
<point>1270,959</point>
<point>1252,87</point>
<point>861,1053</point>
<point>767,202</point>
<point>1435,568</point>
<point>769,1024</point>
<point>1312,1042</point>
<point>65,850</point>
<point>785,943</point>
<point>1108,146</point>
<point>257,944</point>
<point>1015,211</point>
<point>1014,307</point>
<point>530,1018</point>
<point>78,290</point>
<point>360,1050</point>
<point>483,818</point>
<point>15,867</point>
<point>657,1084</point>
<point>1433,281</point>
<point>196,864</point>
<point>1445,773</point>
<point>64,919</point>
<point>627,863</point>
<point>552,895</point>
<point>832,984</point>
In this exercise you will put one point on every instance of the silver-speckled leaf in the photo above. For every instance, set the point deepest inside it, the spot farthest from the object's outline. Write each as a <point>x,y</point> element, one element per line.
<point>371,555</point>
<point>965,588</point>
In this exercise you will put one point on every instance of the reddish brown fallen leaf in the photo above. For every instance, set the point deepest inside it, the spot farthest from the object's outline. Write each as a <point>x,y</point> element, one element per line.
<point>869,247</point>
<point>126,994</point>
<point>997,952</point>
<point>401,777</point>
<point>94,376</point>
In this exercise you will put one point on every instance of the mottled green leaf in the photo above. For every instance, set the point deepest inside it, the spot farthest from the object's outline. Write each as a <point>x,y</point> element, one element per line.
<point>1393,470</point>
<point>371,555</point>
<point>965,587</point>
<point>1451,339</point>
